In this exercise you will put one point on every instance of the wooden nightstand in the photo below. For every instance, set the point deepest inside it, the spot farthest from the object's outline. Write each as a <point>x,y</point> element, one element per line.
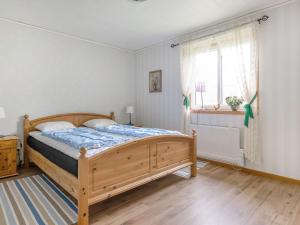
<point>8,156</point>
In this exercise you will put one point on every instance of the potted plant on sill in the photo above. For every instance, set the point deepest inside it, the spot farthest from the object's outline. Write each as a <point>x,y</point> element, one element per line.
<point>234,102</point>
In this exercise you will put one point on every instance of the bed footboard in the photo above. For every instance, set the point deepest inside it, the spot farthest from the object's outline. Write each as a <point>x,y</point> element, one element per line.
<point>125,167</point>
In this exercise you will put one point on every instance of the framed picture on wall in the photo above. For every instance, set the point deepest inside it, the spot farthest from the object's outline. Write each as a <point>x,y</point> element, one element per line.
<point>155,81</point>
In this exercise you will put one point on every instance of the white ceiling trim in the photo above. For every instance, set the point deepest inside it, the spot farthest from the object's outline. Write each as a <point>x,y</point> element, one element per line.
<point>102,44</point>
<point>228,21</point>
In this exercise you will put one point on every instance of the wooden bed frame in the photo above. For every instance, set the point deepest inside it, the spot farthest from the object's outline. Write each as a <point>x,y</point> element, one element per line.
<point>116,170</point>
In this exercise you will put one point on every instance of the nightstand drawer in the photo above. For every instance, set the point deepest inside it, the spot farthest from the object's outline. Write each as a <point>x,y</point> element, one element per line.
<point>8,144</point>
<point>8,156</point>
<point>3,165</point>
<point>10,152</point>
<point>7,161</point>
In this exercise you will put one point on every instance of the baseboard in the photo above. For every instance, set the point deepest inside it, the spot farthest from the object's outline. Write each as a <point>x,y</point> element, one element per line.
<point>252,171</point>
<point>218,158</point>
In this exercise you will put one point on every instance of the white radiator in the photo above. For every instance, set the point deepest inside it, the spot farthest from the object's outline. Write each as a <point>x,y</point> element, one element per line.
<point>219,143</point>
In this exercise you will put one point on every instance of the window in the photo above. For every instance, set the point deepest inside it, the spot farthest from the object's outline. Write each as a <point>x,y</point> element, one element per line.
<point>217,75</point>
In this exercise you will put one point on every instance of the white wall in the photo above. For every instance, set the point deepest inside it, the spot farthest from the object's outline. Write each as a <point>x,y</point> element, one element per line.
<point>159,109</point>
<point>42,73</point>
<point>279,90</point>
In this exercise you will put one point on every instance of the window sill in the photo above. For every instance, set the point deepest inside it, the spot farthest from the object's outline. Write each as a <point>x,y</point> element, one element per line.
<point>222,111</point>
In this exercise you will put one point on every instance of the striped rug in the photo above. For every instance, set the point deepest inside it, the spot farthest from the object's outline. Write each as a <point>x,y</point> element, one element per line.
<point>35,200</point>
<point>186,172</point>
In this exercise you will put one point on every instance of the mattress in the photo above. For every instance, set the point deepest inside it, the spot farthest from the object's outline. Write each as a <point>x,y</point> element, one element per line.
<point>54,155</point>
<point>63,155</point>
<point>64,148</point>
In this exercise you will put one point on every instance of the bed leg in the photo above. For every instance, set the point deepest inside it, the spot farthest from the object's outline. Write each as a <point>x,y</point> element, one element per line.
<point>194,154</point>
<point>26,159</point>
<point>26,124</point>
<point>83,179</point>
<point>83,212</point>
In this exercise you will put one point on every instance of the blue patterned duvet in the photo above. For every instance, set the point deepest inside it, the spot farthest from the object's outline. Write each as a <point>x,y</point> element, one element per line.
<point>87,138</point>
<point>103,137</point>
<point>132,131</point>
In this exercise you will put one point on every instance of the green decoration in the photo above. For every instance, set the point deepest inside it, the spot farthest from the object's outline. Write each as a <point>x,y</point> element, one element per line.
<point>186,102</point>
<point>248,111</point>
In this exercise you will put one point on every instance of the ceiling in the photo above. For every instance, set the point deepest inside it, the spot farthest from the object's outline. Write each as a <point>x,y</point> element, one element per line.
<point>125,23</point>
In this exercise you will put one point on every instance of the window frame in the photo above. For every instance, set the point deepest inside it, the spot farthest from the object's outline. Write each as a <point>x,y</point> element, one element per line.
<point>210,109</point>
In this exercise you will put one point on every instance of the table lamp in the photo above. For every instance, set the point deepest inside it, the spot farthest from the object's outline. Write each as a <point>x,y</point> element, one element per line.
<point>200,87</point>
<point>2,116</point>
<point>130,110</point>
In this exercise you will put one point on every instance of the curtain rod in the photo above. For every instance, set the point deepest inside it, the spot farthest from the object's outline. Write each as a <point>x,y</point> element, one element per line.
<point>259,20</point>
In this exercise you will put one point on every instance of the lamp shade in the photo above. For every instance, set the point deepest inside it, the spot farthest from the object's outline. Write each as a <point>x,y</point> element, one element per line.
<point>200,87</point>
<point>2,113</point>
<point>129,109</point>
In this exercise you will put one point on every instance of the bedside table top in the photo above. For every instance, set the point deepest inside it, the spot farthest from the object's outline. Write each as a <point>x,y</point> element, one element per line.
<point>9,137</point>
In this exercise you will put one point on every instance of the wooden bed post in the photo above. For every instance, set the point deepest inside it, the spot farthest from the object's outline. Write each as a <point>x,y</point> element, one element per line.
<point>112,116</point>
<point>194,156</point>
<point>83,179</point>
<point>26,124</point>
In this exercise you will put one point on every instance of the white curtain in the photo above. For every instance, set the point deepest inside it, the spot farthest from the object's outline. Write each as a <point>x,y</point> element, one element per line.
<point>247,76</point>
<point>243,41</point>
<point>189,70</point>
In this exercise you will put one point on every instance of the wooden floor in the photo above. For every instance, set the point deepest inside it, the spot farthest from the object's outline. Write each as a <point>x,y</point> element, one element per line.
<point>218,196</point>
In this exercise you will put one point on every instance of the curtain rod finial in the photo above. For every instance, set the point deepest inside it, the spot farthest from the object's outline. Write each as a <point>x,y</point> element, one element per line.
<point>263,18</point>
<point>174,45</point>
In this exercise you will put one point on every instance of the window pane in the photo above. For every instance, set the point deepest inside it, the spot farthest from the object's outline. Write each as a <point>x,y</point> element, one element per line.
<point>230,71</point>
<point>207,68</point>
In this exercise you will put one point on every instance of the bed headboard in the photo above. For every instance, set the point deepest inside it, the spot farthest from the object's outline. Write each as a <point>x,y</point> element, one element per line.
<point>76,118</point>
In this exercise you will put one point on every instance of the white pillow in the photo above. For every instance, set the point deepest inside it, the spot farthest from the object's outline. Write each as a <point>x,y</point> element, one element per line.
<point>54,126</point>
<point>99,122</point>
